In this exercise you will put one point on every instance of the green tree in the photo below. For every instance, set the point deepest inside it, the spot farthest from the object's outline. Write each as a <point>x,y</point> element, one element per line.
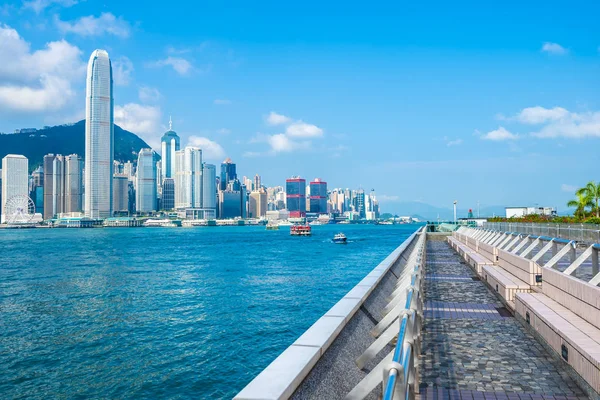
<point>592,191</point>
<point>583,200</point>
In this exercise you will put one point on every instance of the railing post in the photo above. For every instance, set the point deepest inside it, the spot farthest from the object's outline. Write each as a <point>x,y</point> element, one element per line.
<point>594,262</point>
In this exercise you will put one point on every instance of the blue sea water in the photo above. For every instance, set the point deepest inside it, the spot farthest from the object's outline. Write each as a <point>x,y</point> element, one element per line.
<point>179,313</point>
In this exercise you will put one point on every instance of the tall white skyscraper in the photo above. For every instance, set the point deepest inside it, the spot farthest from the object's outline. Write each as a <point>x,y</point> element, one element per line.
<point>188,178</point>
<point>146,182</point>
<point>169,145</point>
<point>209,186</point>
<point>15,179</point>
<point>99,136</point>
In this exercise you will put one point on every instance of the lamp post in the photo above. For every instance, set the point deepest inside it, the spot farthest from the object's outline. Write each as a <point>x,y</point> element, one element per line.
<point>455,210</point>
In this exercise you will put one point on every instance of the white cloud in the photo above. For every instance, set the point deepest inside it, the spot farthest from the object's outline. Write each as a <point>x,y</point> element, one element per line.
<point>277,119</point>
<point>51,95</point>
<point>500,134</point>
<point>455,142</point>
<point>280,143</point>
<point>122,69</point>
<point>148,94</point>
<point>301,129</point>
<point>223,131</point>
<point>211,150</point>
<point>553,48</point>
<point>39,5</point>
<point>142,120</point>
<point>540,115</point>
<point>568,188</point>
<point>180,65</point>
<point>222,102</point>
<point>106,23</point>
<point>573,125</point>
<point>37,81</point>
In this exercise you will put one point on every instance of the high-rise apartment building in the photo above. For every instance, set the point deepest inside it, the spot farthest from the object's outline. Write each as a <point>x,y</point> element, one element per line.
<point>99,136</point>
<point>318,196</point>
<point>295,188</point>
<point>169,145</point>
<point>15,180</point>
<point>145,192</point>
<point>188,178</point>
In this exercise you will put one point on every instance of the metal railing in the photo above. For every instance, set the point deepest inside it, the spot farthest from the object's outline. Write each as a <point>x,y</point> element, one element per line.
<point>587,233</point>
<point>400,368</point>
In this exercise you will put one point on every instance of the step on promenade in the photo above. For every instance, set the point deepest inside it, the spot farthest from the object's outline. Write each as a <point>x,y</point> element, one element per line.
<point>472,314</point>
<point>472,346</point>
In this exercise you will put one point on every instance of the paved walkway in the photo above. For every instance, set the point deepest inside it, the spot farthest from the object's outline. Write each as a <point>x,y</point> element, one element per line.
<point>472,346</point>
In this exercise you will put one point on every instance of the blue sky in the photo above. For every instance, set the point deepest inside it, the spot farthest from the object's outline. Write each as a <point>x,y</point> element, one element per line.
<point>436,102</point>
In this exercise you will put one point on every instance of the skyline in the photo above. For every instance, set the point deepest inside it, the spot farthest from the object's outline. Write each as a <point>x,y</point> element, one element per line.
<point>454,108</point>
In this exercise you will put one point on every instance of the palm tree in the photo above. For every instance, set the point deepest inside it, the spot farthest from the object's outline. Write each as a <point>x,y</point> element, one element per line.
<point>592,190</point>
<point>583,200</point>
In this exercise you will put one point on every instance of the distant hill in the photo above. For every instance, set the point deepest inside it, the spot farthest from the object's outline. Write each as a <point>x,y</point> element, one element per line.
<point>426,211</point>
<point>65,139</point>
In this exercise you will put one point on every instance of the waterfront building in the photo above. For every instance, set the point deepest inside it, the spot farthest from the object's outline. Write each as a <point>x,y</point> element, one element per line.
<point>359,203</point>
<point>188,178</point>
<point>169,145</point>
<point>209,186</point>
<point>15,179</point>
<point>248,183</point>
<point>230,204</point>
<point>63,185</point>
<point>145,201</point>
<point>99,136</point>
<point>318,196</point>
<point>228,173</point>
<point>120,193</point>
<point>296,196</point>
<point>257,204</point>
<point>168,194</point>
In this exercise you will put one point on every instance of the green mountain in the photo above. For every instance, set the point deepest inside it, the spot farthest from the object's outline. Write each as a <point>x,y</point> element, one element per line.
<point>65,140</point>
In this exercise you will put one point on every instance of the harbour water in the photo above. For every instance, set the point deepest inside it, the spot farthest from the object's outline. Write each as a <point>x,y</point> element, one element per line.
<point>164,312</point>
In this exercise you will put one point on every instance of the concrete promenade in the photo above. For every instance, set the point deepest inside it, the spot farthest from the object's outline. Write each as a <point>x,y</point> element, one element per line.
<point>473,314</point>
<point>473,348</point>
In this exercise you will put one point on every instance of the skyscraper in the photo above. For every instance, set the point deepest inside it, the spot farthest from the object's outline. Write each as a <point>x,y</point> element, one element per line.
<point>168,194</point>
<point>146,182</point>
<point>257,204</point>
<point>15,172</point>
<point>188,178</point>
<point>227,173</point>
<point>63,184</point>
<point>257,183</point>
<point>73,184</point>
<point>295,188</point>
<point>318,196</point>
<point>120,193</point>
<point>169,145</point>
<point>99,136</point>
<point>209,186</point>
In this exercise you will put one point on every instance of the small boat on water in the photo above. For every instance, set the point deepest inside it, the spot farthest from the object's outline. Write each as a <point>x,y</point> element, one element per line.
<point>340,238</point>
<point>300,230</point>
<point>272,226</point>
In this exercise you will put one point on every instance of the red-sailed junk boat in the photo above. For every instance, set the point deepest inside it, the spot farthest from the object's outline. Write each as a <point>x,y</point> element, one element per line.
<point>300,230</point>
